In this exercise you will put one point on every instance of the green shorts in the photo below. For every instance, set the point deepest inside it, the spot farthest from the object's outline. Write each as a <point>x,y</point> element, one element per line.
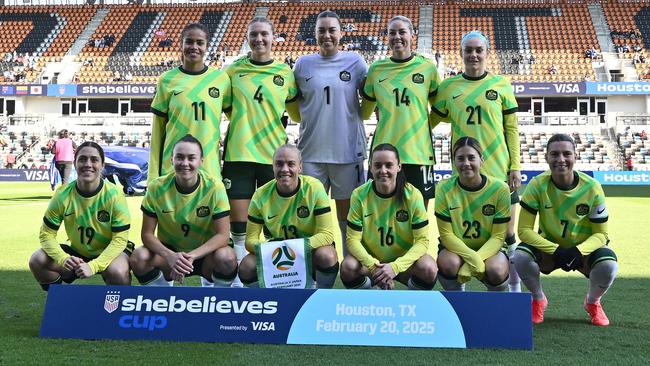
<point>547,263</point>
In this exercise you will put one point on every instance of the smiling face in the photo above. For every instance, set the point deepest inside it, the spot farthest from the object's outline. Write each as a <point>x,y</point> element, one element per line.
<point>260,40</point>
<point>399,39</point>
<point>89,165</point>
<point>468,164</point>
<point>561,157</point>
<point>187,159</point>
<point>194,47</point>
<point>287,167</point>
<point>384,169</point>
<point>474,53</point>
<point>328,35</point>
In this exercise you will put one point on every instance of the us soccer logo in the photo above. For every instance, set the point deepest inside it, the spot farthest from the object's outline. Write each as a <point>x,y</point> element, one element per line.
<point>283,258</point>
<point>112,301</point>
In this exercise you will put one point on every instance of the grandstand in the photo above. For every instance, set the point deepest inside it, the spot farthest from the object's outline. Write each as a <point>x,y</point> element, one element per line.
<point>54,53</point>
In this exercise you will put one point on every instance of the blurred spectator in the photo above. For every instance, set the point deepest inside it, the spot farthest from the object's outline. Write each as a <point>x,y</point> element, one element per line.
<point>63,151</point>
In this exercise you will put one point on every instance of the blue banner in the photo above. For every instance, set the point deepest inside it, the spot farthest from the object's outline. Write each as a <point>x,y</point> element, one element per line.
<point>549,88</point>
<point>146,90</point>
<point>329,317</point>
<point>23,90</point>
<point>618,88</point>
<point>24,175</point>
<point>617,178</point>
<point>62,90</point>
<point>526,175</point>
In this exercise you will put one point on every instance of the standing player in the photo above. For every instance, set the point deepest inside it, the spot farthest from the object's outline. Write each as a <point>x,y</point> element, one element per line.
<point>387,230</point>
<point>403,86</point>
<point>472,211</point>
<point>261,88</point>
<point>482,105</point>
<point>288,207</point>
<point>332,136</point>
<point>572,231</point>
<point>189,100</point>
<point>97,222</point>
<point>190,210</point>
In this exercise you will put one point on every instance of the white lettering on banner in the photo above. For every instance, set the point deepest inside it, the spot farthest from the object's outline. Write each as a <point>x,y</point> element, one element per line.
<point>366,310</point>
<point>567,88</point>
<point>370,328</point>
<point>208,304</point>
<point>263,326</point>
<point>346,327</point>
<point>626,178</point>
<point>119,89</point>
<point>518,89</point>
<point>38,175</point>
<point>233,327</point>
<point>617,87</point>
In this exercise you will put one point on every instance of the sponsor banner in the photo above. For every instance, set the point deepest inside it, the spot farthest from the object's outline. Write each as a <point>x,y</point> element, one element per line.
<point>559,88</point>
<point>62,90</point>
<point>147,90</point>
<point>11,90</point>
<point>526,175</point>
<point>618,178</point>
<point>284,264</point>
<point>24,175</point>
<point>618,88</point>
<point>327,317</point>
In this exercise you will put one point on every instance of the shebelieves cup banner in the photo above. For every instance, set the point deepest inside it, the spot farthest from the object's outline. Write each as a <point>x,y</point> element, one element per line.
<point>321,317</point>
<point>284,264</point>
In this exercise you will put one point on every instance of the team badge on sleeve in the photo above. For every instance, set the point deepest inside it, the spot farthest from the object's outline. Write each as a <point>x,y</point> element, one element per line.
<point>278,80</point>
<point>203,211</point>
<point>303,212</point>
<point>491,94</point>
<point>489,210</point>
<point>582,209</point>
<point>402,216</point>
<point>214,92</point>
<point>418,78</point>
<point>103,216</point>
<point>345,76</point>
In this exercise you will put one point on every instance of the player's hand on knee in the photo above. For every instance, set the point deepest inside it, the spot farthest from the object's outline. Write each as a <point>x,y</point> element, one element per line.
<point>83,270</point>
<point>382,273</point>
<point>72,263</point>
<point>180,262</point>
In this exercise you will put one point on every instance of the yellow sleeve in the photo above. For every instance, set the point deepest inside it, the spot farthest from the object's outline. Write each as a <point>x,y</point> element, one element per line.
<point>253,231</point>
<point>356,249</point>
<point>50,245</point>
<point>494,244</point>
<point>367,108</point>
<point>455,245</point>
<point>324,234</point>
<point>156,148</point>
<point>530,236</point>
<point>293,109</point>
<point>510,125</point>
<point>419,248</point>
<point>114,248</point>
<point>597,240</point>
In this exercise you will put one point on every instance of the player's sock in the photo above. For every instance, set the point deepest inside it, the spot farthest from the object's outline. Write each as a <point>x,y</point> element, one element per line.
<point>416,283</point>
<point>221,280</point>
<point>238,235</point>
<point>361,283</point>
<point>206,283</point>
<point>343,224</point>
<point>450,283</point>
<point>502,287</point>
<point>154,277</point>
<point>528,271</point>
<point>326,277</point>
<point>514,283</point>
<point>601,277</point>
<point>46,286</point>
<point>254,284</point>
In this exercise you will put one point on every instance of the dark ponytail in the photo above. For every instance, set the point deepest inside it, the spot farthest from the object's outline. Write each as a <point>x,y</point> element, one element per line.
<point>400,179</point>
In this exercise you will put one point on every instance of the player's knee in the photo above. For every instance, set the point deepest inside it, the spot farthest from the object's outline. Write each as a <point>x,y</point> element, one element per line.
<point>606,270</point>
<point>247,269</point>
<point>118,273</point>
<point>37,260</point>
<point>138,259</point>
<point>449,263</point>
<point>225,259</point>
<point>325,257</point>
<point>520,259</point>
<point>350,268</point>
<point>426,268</point>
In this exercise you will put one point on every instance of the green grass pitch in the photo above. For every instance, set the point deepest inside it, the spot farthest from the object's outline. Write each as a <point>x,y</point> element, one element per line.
<point>566,337</point>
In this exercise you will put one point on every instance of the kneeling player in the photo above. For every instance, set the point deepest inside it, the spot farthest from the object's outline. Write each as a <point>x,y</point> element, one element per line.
<point>288,207</point>
<point>96,220</point>
<point>572,230</point>
<point>472,211</point>
<point>387,234</point>
<point>190,210</point>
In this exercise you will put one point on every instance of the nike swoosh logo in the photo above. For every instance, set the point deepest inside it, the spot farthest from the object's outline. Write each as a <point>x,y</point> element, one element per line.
<point>242,75</point>
<point>601,211</point>
<point>547,206</point>
<point>370,214</point>
<point>381,80</point>
<point>269,217</point>
<point>68,214</point>
<point>176,93</point>
<point>453,208</point>
<point>307,80</point>
<point>168,211</point>
<point>427,189</point>
<point>456,96</point>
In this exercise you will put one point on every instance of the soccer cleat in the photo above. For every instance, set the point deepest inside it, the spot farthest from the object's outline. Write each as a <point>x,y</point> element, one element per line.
<point>538,310</point>
<point>596,314</point>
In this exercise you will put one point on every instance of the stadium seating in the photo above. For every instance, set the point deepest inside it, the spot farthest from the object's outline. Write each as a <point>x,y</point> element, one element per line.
<point>624,17</point>
<point>636,146</point>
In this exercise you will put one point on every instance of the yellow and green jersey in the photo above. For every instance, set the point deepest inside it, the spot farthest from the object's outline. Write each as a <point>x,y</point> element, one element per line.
<point>260,92</point>
<point>403,90</point>
<point>388,229</point>
<point>473,212</point>
<point>188,103</point>
<point>566,216</point>
<point>91,220</point>
<point>477,107</point>
<point>289,216</point>
<point>185,218</point>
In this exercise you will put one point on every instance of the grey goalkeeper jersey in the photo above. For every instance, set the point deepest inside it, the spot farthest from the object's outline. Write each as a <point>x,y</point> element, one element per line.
<point>331,129</point>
